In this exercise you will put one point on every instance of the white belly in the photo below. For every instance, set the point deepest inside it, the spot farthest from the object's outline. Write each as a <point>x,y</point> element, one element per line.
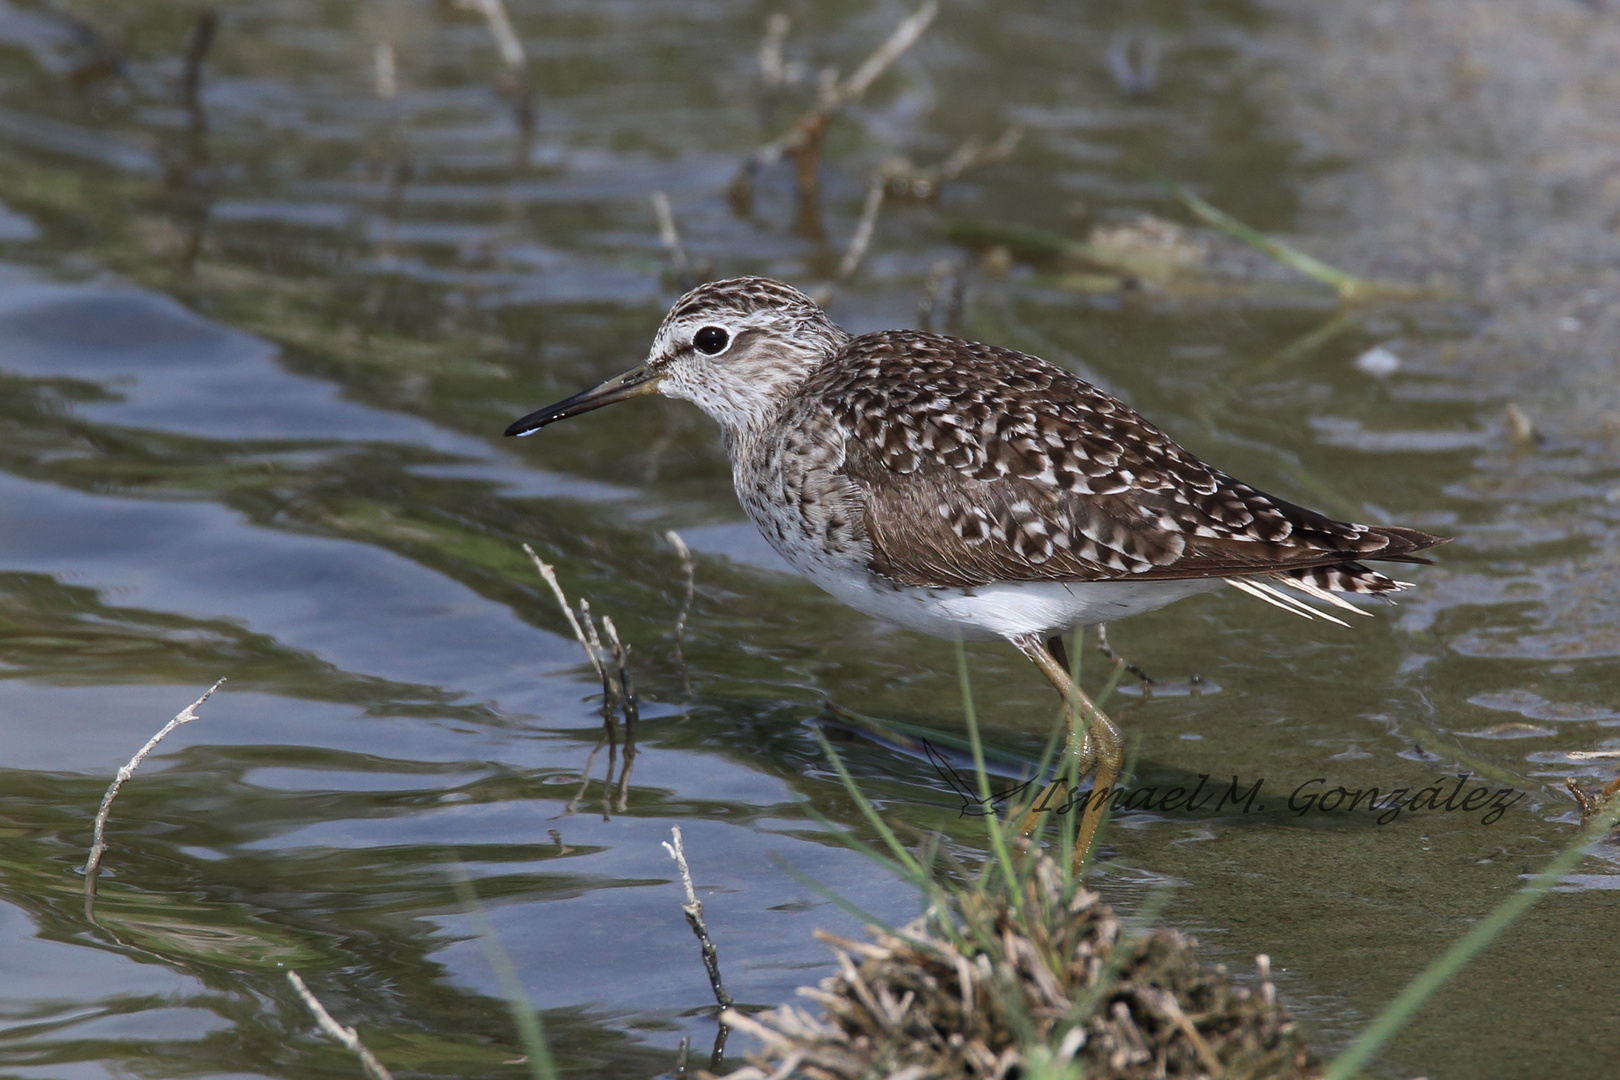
<point>1003,609</point>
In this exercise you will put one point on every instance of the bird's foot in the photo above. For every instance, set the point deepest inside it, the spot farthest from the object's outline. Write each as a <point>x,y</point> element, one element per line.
<point>1120,662</point>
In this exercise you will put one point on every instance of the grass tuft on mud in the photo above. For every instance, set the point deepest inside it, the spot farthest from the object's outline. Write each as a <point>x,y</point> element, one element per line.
<point>1042,980</point>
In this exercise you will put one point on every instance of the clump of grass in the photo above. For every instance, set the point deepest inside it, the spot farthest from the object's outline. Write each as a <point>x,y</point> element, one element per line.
<point>1016,969</point>
<point>1037,980</point>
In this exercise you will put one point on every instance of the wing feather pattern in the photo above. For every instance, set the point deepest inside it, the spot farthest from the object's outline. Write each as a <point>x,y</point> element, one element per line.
<point>979,464</point>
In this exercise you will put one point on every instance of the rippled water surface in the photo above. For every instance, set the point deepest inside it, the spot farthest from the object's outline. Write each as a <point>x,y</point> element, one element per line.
<point>255,358</point>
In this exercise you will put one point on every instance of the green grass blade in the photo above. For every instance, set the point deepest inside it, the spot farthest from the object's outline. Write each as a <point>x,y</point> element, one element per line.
<point>1400,1011</point>
<point>541,1064</point>
<point>1347,285</point>
<point>869,811</point>
<point>992,823</point>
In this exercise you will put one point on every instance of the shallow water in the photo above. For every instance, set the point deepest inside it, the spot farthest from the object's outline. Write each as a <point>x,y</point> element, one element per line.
<point>252,382</point>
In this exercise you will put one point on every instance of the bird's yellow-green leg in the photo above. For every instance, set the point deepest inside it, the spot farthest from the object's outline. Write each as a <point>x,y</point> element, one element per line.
<point>1102,751</point>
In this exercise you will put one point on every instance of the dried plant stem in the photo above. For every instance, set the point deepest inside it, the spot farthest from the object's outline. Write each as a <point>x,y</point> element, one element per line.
<point>689,565</point>
<point>693,909</point>
<point>802,139</point>
<point>863,230</point>
<point>385,71</point>
<point>500,29</point>
<point>938,300</point>
<point>621,657</point>
<point>550,576</point>
<point>202,40</point>
<point>772,68</point>
<point>98,842</point>
<point>631,710</point>
<point>344,1035</point>
<point>671,239</point>
<point>618,693</point>
<point>904,37</point>
<point>905,179</point>
<point>1591,805</point>
<point>610,689</point>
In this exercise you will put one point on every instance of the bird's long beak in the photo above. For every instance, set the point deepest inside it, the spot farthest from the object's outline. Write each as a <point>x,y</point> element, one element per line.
<point>635,383</point>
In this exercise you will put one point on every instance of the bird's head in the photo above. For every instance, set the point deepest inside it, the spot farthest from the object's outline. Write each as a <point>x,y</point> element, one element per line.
<point>735,348</point>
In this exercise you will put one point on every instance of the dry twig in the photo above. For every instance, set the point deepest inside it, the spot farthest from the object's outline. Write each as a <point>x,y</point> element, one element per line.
<point>500,30</point>
<point>901,179</point>
<point>384,70</point>
<point>693,909</point>
<point>671,239</point>
<point>345,1035</point>
<point>621,657</point>
<point>514,63</point>
<point>202,40</point>
<point>630,708</point>
<point>940,300</point>
<point>1591,805</point>
<point>802,140</point>
<point>907,181</point>
<point>618,694</point>
<point>550,575</point>
<point>773,70</point>
<point>612,705</point>
<point>863,229</point>
<point>689,565</point>
<point>98,842</point>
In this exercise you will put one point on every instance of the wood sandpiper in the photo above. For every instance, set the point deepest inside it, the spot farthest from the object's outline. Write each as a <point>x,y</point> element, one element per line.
<point>966,490</point>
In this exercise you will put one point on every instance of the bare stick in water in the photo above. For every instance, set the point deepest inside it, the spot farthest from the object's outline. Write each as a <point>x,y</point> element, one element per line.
<point>385,71</point>
<point>773,70</point>
<point>611,704</point>
<point>690,566</point>
<point>98,842</point>
<point>514,82</point>
<point>500,29</point>
<point>202,39</point>
<point>621,657</point>
<point>345,1035</point>
<point>671,239</point>
<point>693,909</point>
<point>631,709</point>
<point>863,230</point>
<point>550,576</point>
<point>802,139</point>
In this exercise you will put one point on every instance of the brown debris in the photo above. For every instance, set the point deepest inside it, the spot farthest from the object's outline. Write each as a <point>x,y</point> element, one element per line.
<point>1591,805</point>
<point>1050,984</point>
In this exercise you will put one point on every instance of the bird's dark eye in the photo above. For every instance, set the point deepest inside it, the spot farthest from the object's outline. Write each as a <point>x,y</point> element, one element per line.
<point>711,339</point>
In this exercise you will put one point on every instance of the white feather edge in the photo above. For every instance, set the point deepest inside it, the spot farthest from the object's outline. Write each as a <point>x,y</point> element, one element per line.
<point>1277,598</point>
<point>1316,592</point>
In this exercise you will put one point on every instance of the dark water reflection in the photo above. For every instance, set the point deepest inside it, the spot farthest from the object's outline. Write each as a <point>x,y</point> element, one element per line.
<point>250,397</point>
